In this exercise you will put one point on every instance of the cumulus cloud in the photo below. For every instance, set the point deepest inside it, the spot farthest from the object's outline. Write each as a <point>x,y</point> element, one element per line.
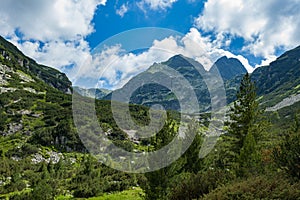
<point>198,47</point>
<point>52,32</point>
<point>265,25</point>
<point>156,4</point>
<point>266,61</point>
<point>122,10</point>
<point>57,53</point>
<point>115,67</point>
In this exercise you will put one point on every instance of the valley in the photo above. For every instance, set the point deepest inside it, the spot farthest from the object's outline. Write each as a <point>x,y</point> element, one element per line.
<point>44,157</point>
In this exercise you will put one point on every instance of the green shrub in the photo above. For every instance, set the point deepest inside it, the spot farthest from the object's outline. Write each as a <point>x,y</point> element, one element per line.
<point>257,188</point>
<point>287,156</point>
<point>192,186</point>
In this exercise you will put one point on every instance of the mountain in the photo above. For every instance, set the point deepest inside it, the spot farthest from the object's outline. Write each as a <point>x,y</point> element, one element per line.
<point>92,92</point>
<point>277,83</point>
<point>167,83</point>
<point>231,71</point>
<point>41,154</point>
<point>35,102</point>
<point>16,60</point>
<point>180,75</point>
<point>229,67</point>
<point>280,79</point>
<point>35,99</point>
<point>36,108</point>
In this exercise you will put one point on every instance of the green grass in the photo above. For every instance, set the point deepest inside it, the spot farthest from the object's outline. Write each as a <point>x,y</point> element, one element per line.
<point>63,197</point>
<point>135,194</point>
<point>8,196</point>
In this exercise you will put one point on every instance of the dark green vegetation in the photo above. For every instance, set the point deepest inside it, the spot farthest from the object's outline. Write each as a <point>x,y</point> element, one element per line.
<point>42,156</point>
<point>246,163</point>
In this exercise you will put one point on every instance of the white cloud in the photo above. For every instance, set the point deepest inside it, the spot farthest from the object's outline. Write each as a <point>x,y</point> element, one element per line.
<point>267,61</point>
<point>265,25</point>
<point>156,4</point>
<point>200,48</point>
<point>46,20</point>
<point>52,32</point>
<point>57,53</point>
<point>115,67</point>
<point>122,10</point>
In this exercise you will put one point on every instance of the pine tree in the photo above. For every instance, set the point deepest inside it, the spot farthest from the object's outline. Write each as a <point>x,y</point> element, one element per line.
<point>159,180</point>
<point>44,171</point>
<point>243,113</point>
<point>43,191</point>
<point>3,119</point>
<point>249,155</point>
<point>287,155</point>
<point>193,162</point>
<point>243,126</point>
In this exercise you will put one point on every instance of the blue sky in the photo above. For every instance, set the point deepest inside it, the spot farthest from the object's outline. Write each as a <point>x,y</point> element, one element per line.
<point>63,33</point>
<point>180,18</point>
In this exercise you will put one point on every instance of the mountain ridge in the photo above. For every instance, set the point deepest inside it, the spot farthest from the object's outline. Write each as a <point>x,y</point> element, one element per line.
<point>280,79</point>
<point>179,66</point>
<point>97,93</point>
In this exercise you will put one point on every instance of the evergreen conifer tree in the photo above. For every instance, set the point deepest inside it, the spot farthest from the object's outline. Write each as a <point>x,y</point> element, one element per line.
<point>158,181</point>
<point>243,133</point>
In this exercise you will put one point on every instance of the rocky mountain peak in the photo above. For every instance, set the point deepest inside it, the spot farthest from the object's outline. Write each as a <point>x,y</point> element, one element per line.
<point>228,67</point>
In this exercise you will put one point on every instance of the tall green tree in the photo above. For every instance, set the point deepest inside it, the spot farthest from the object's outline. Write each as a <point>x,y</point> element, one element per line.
<point>193,163</point>
<point>243,130</point>
<point>249,155</point>
<point>158,181</point>
<point>287,155</point>
<point>243,113</point>
<point>43,190</point>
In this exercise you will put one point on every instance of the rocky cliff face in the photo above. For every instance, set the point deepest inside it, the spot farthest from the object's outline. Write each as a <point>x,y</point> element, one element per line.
<point>229,68</point>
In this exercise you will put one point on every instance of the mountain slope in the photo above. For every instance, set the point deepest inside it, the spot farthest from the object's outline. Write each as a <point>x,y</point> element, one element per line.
<point>33,102</point>
<point>276,83</point>
<point>37,112</point>
<point>15,59</point>
<point>280,79</point>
